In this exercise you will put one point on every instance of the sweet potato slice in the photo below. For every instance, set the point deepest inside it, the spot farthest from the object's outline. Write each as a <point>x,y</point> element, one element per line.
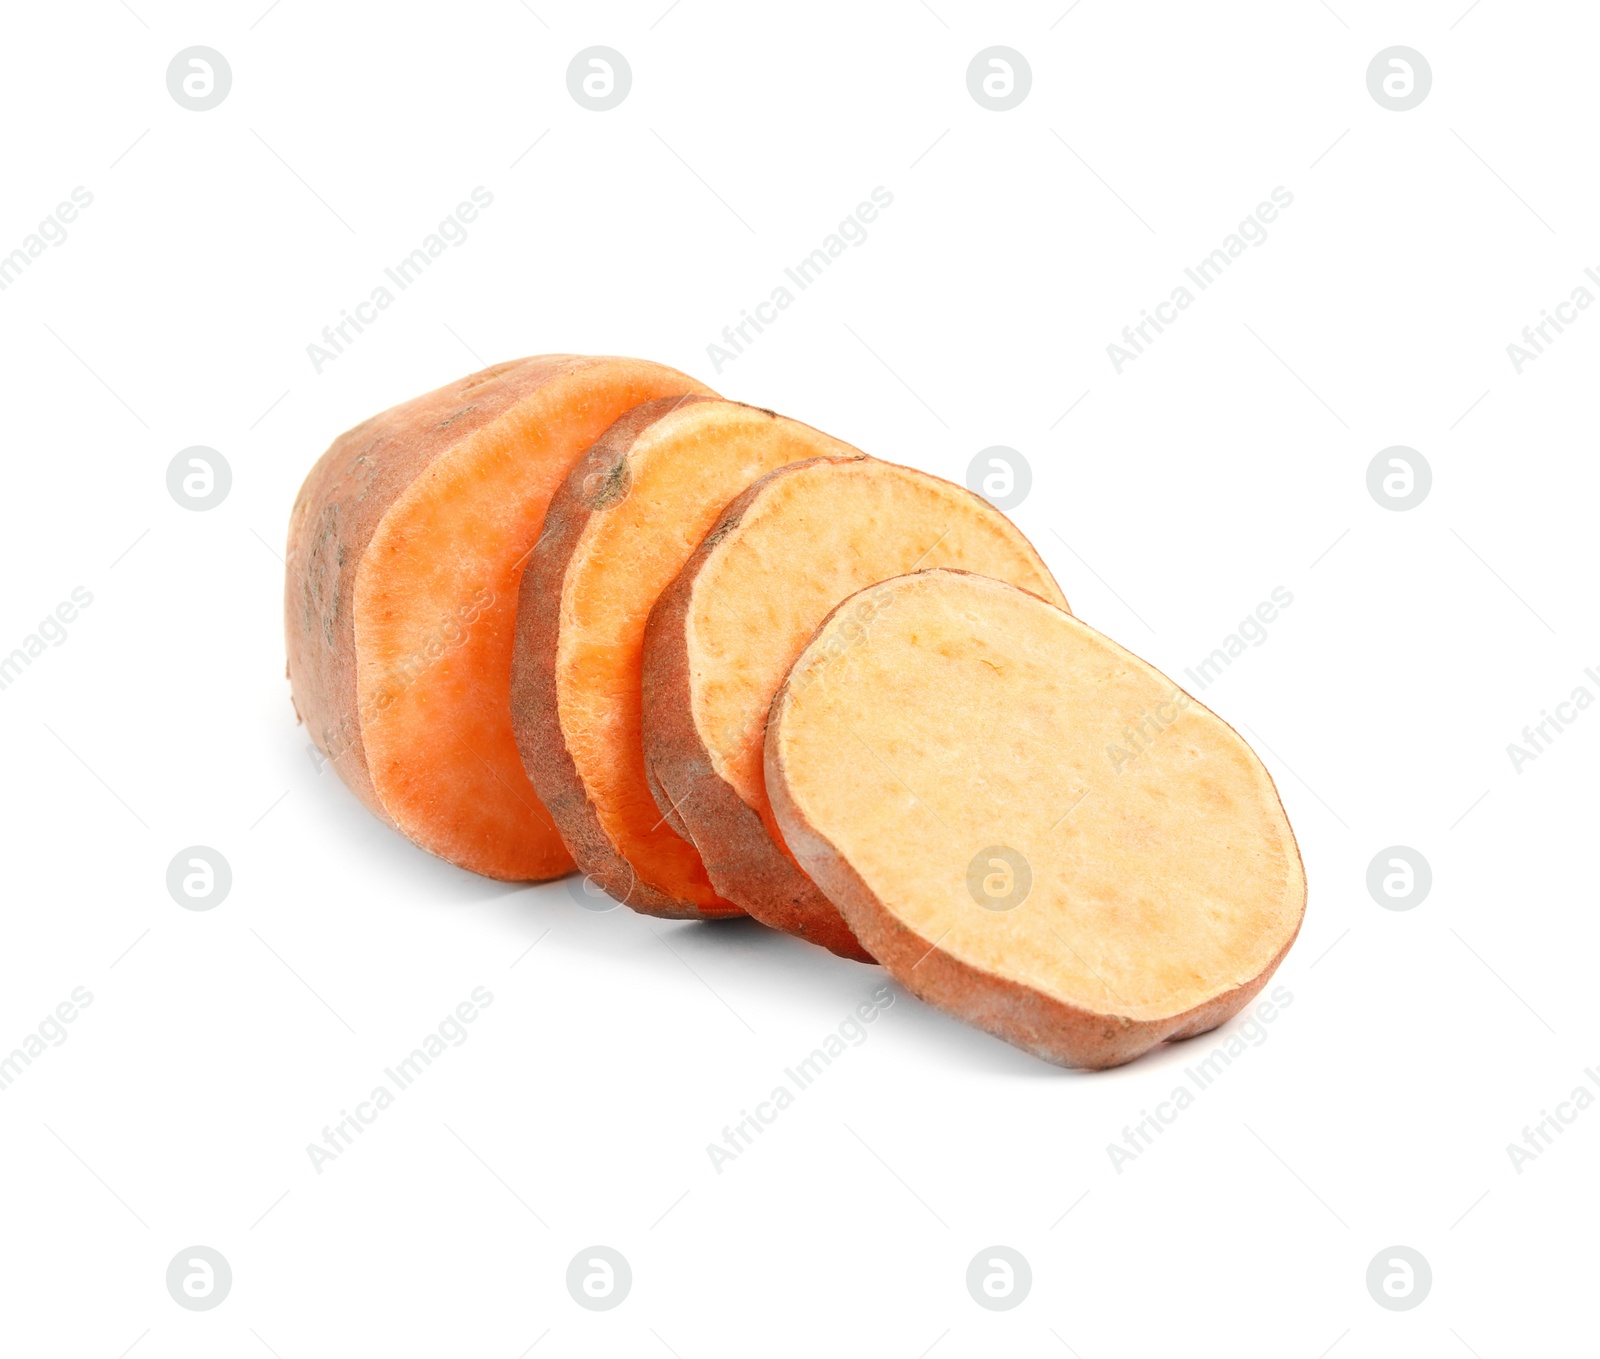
<point>1031,828</point>
<point>406,544</point>
<point>725,634</point>
<point>617,532</point>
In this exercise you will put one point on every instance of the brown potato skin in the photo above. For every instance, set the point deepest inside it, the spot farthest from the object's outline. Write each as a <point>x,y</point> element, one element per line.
<point>535,716</point>
<point>1060,1033</point>
<point>338,509</point>
<point>681,773</point>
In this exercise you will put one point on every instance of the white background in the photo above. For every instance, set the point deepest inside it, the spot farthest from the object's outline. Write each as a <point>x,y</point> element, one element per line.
<point>1229,459</point>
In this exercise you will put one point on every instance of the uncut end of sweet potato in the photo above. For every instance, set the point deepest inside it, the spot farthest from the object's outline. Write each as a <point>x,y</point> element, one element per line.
<point>405,548</point>
<point>335,513</point>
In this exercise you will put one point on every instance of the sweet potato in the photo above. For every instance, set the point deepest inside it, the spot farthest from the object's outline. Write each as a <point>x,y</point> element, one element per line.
<point>1031,828</point>
<point>726,632</point>
<point>405,547</point>
<point>628,517</point>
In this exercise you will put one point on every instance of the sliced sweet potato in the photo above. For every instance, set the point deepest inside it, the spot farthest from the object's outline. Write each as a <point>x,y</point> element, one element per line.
<point>406,544</point>
<point>1030,827</point>
<point>617,532</point>
<point>724,635</point>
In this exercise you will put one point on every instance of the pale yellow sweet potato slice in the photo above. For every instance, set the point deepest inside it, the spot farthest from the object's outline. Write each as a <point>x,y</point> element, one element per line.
<point>406,547</point>
<point>725,634</point>
<point>618,531</point>
<point>1031,828</point>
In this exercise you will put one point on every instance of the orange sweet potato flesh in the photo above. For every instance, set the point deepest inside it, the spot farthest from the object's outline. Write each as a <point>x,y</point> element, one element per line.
<point>617,533</point>
<point>406,546</point>
<point>724,635</point>
<point>1028,826</point>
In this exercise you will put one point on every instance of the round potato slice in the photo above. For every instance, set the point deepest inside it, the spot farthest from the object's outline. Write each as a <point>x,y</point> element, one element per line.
<point>630,514</point>
<point>724,635</point>
<point>1031,828</point>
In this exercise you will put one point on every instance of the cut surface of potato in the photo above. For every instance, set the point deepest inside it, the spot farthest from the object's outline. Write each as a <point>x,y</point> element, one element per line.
<point>406,545</point>
<point>1030,827</point>
<point>725,634</point>
<point>627,518</point>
